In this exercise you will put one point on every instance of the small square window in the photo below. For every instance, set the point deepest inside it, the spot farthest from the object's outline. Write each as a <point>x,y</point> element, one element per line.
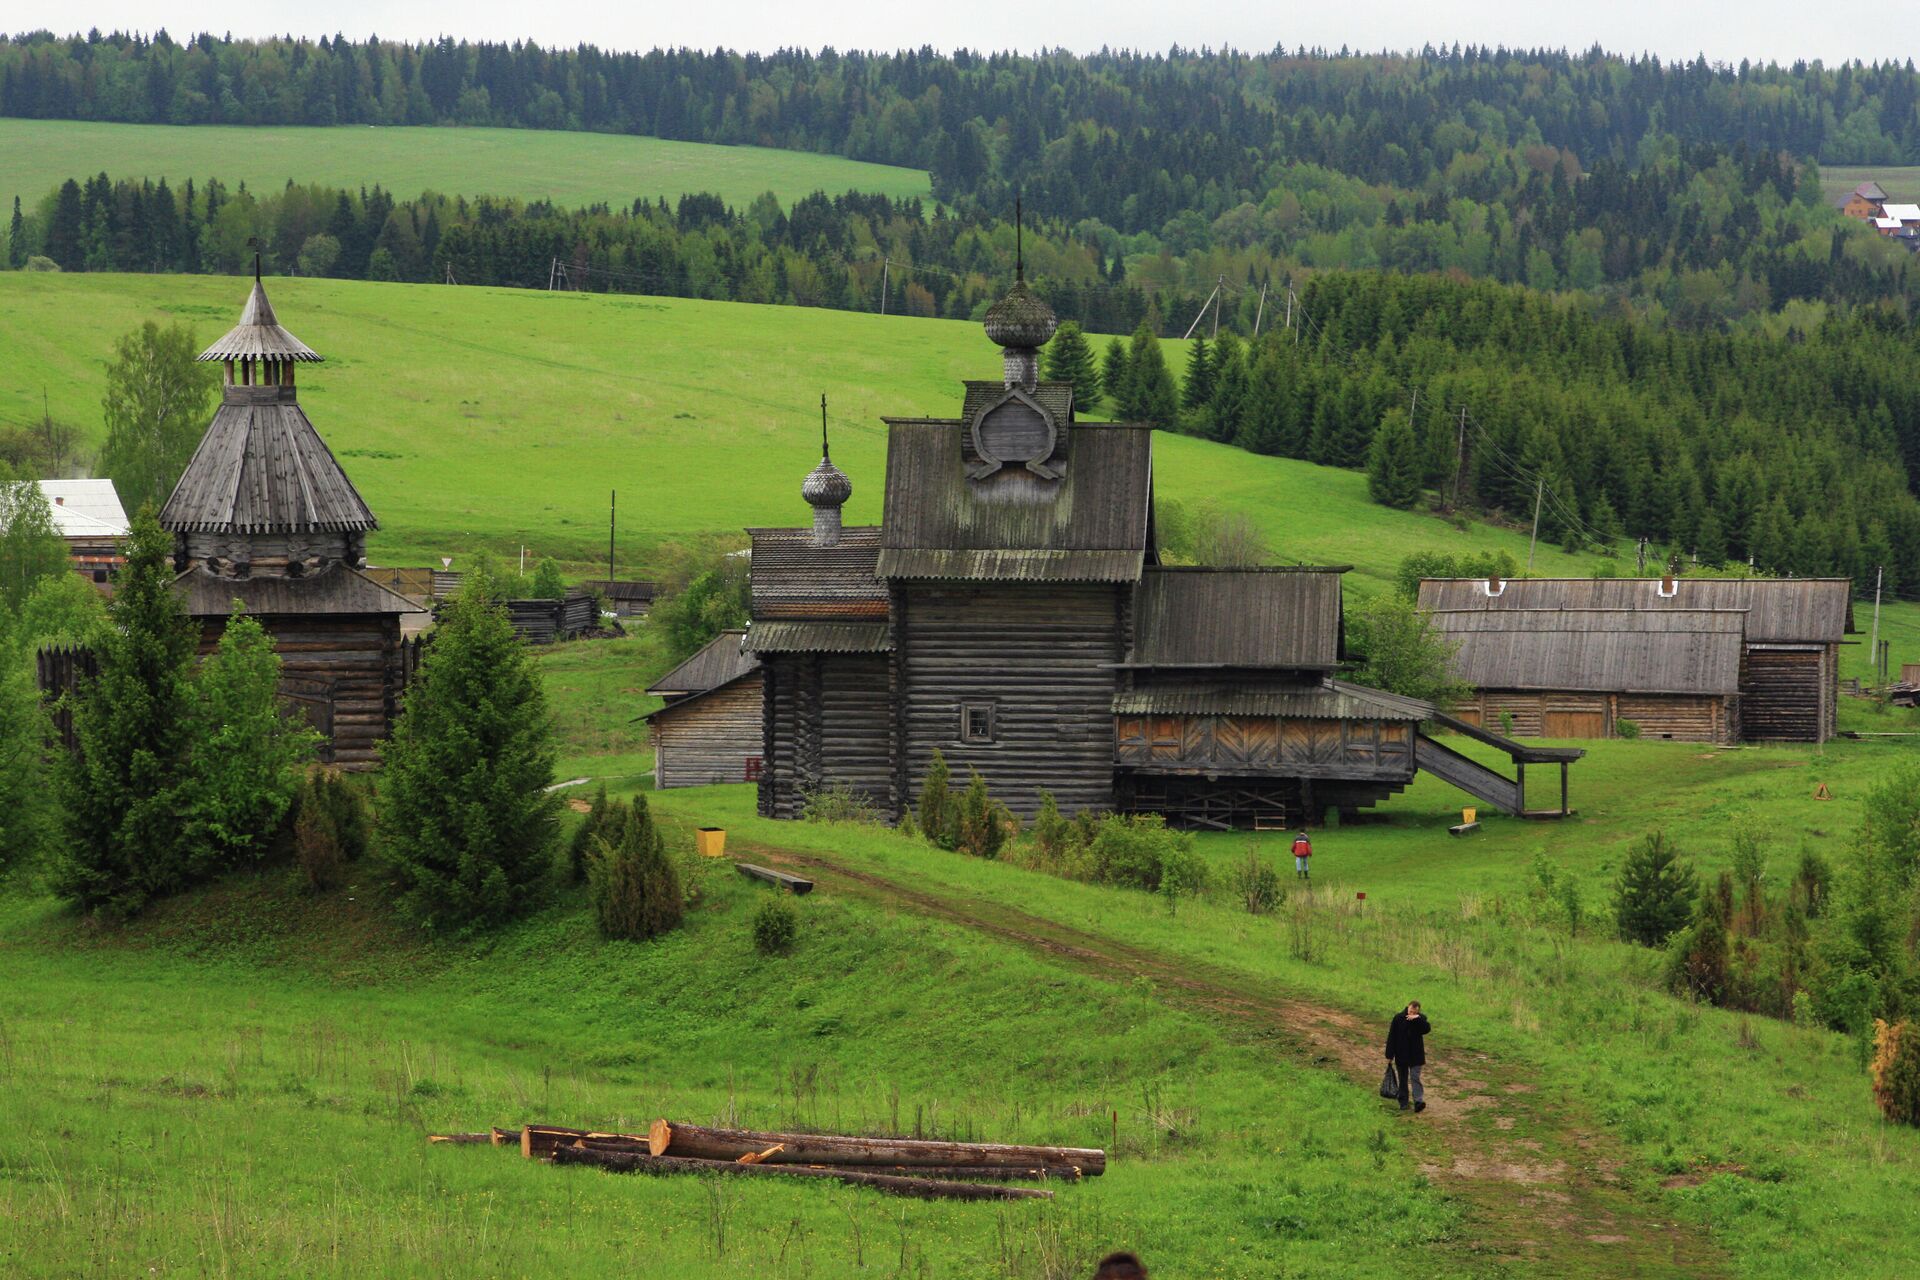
<point>754,764</point>
<point>976,722</point>
<point>99,575</point>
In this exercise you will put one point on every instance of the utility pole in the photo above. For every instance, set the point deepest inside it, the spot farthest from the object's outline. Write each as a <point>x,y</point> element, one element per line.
<point>1539,492</point>
<point>1641,569</point>
<point>1202,315</point>
<point>1261,310</point>
<point>1219,283</point>
<point>1296,337</point>
<point>613,496</point>
<point>1873,646</point>
<point>886,274</point>
<point>1460,460</point>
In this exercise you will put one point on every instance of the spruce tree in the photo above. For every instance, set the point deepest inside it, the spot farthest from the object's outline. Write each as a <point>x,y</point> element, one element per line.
<point>467,821</point>
<point>17,238</point>
<point>1068,358</point>
<point>1197,389</point>
<point>1151,396</point>
<point>245,751</point>
<point>939,809</point>
<point>121,788</point>
<point>29,820</point>
<point>636,889</point>
<point>1115,376</point>
<point>1654,894</point>
<point>1231,389</point>
<point>1393,463</point>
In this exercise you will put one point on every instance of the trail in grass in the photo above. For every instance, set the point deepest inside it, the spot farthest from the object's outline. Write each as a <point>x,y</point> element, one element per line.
<point>1541,1185</point>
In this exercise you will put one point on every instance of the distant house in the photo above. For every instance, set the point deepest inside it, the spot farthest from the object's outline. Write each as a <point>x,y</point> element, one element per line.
<point>1865,202</point>
<point>710,729</point>
<point>1790,645</point>
<point>627,599</point>
<point>1583,673</point>
<point>88,514</point>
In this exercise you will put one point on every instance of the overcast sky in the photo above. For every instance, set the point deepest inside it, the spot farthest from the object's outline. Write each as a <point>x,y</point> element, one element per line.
<point>1780,30</point>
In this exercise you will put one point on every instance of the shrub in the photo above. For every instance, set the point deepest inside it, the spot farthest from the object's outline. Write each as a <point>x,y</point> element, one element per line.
<point>938,811</point>
<point>1896,1071</point>
<point>330,829</point>
<point>1697,963</point>
<point>1258,885</point>
<point>1628,729</point>
<point>1138,851</point>
<point>593,826</point>
<point>774,927</point>
<point>636,889</point>
<point>1183,873</point>
<point>1052,831</point>
<point>982,823</point>
<point>1655,892</point>
<point>1812,881</point>
<point>839,803</point>
<point>1403,653</point>
<point>1506,724</point>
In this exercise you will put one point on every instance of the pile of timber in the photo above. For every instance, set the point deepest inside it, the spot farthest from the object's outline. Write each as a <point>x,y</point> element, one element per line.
<point>921,1168</point>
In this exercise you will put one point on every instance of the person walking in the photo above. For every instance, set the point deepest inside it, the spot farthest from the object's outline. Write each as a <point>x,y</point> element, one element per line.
<point>1302,854</point>
<point>1407,1051</point>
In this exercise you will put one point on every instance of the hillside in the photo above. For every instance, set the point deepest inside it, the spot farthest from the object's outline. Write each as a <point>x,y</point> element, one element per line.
<point>568,169</point>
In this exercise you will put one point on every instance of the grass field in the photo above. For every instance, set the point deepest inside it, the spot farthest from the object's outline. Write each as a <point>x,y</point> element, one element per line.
<point>1901,182</point>
<point>571,169</point>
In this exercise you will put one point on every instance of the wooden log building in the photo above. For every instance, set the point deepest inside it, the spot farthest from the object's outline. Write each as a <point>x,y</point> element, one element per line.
<point>1787,689</point>
<point>710,729</point>
<point>89,518</point>
<point>1011,612</point>
<point>264,515</point>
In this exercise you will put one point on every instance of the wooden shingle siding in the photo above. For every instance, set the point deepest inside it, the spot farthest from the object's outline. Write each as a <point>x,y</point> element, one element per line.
<point>711,738</point>
<point>1042,657</point>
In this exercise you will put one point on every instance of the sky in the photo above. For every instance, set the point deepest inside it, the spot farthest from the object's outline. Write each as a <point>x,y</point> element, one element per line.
<point>1761,30</point>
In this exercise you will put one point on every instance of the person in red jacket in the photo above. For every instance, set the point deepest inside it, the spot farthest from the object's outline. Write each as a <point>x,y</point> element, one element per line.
<point>1302,853</point>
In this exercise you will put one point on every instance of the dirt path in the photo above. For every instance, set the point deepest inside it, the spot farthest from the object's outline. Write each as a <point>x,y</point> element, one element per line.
<point>1540,1185</point>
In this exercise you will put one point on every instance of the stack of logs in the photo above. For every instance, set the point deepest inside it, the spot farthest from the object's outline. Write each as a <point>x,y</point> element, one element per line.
<point>921,1168</point>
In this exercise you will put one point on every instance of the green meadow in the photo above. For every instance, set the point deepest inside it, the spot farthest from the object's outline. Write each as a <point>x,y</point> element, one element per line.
<point>570,169</point>
<point>1900,182</point>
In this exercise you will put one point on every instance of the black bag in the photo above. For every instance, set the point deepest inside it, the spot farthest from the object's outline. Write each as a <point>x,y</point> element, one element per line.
<point>1390,1083</point>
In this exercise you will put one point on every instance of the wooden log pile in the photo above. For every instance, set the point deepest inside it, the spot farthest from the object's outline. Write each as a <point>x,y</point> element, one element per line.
<point>915,1167</point>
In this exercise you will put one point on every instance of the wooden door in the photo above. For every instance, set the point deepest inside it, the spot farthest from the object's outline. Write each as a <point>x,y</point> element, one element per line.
<point>1574,724</point>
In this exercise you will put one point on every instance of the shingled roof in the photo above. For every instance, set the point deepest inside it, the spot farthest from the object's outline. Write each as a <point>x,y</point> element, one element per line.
<point>338,590</point>
<point>1238,618</point>
<point>1089,525</point>
<point>794,578</point>
<point>262,468</point>
<point>719,661</point>
<point>1692,651</point>
<point>1324,700</point>
<point>1779,610</point>
<point>259,336</point>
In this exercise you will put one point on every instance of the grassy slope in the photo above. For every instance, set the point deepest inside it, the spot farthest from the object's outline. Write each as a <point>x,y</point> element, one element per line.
<point>1901,182</point>
<point>570,169</point>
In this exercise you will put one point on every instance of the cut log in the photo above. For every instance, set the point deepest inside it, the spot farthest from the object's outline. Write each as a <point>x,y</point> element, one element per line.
<point>918,1188</point>
<point>667,1139</point>
<point>943,1172</point>
<point>505,1137</point>
<point>781,879</point>
<point>541,1139</point>
<point>463,1139</point>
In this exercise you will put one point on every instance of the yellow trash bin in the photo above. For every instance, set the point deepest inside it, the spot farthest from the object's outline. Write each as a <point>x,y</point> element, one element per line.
<point>711,842</point>
<point>1467,816</point>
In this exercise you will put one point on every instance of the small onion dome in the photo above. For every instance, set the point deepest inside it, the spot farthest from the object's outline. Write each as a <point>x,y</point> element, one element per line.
<point>826,486</point>
<point>1021,319</point>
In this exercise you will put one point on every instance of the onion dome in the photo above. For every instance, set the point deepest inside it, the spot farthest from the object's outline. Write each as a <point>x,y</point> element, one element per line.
<point>1022,319</point>
<point>826,486</point>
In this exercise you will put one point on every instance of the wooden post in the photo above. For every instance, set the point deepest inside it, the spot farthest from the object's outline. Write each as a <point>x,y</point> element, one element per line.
<point>1564,810</point>
<point>1520,783</point>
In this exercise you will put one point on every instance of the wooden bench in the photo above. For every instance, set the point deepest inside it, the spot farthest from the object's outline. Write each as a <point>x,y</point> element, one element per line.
<point>779,879</point>
<point>1463,828</point>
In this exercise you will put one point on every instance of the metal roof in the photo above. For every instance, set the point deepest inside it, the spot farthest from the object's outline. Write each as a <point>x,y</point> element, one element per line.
<point>717,662</point>
<point>1691,651</point>
<point>85,508</point>
<point>793,578</point>
<point>818,637</point>
<point>259,336</point>
<point>1326,700</point>
<point>262,468</point>
<point>1791,610</point>
<point>339,590</point>
<point>1088,525</point>
<point>1237,617</point>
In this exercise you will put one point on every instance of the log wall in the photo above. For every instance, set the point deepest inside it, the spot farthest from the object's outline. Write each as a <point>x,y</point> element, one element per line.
<point>709,740</point>
<point>345,669</point>
<point>1787,695</point>
<point>1268,746</point>
<point>826,726</point>
<point>1040,655</point>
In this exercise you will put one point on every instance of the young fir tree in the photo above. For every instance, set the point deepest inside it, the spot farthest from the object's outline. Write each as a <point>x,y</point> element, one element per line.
<point>467,820</point>
<point>636,889</point>
<point>594,825</point>
<point>125,843</point>
<point>1227,403</point>
<point>1197,388</point>
<point>1151,396</point>
<point>1654,895</point>
<point>1115,376</point>
<point>245,751</point>
<point>1069,358</point>
<point>17,238</point>
<point>1393,463</point>
<point>939,815</point>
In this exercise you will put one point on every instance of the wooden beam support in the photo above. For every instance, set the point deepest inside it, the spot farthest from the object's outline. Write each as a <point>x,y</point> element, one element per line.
<point>667,1139</point>
<point>919,1188</point>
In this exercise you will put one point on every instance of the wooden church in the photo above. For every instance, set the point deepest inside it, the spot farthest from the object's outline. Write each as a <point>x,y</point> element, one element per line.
<point>265,516</point>
<point>1012,613</point>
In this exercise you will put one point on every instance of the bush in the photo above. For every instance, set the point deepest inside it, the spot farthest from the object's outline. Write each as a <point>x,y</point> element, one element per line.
<point>983,822</point>
<point>1628,729</point>
<point>774,927</point>
<point>330,829</point>
<point>1697,964</point>
<point>938,811</point>
<point>636,889</point>
<point>593,826</point>
<point>1896,1071</point>
<point>1402,651</point>
<point>1183,872</point>
<point>1137,850</point>
<point>1654,894</point>
<point>1258,885</point>
<point>839,803</point>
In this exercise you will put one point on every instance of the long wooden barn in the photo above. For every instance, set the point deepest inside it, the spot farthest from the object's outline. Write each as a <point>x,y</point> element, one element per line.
<point>265,516</point>
<point>710,728</point>
<point>1011,613</point>
<point>1788,685</point>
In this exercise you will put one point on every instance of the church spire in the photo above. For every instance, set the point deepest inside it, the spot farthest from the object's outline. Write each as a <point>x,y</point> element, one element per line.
<point>826,489</point>
<point>1021,322</point>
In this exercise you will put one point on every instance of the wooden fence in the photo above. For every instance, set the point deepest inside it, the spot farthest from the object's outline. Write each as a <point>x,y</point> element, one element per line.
<point>60,671</point>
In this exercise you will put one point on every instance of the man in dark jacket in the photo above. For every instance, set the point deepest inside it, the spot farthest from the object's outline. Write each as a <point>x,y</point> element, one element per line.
<point>1407,1051</point>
